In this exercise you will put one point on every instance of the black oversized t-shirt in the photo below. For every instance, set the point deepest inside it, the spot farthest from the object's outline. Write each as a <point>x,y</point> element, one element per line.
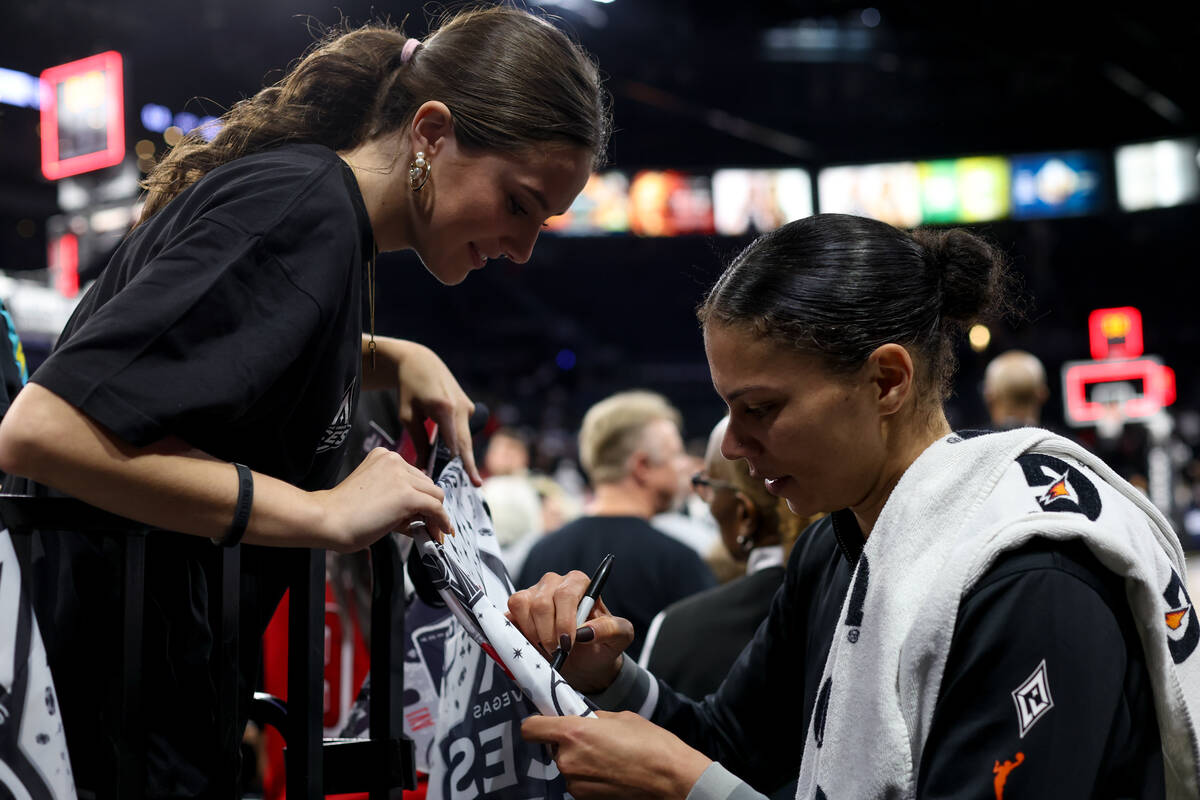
<point>231,319</point>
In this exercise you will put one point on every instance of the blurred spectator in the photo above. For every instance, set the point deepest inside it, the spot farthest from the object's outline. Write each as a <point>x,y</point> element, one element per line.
<point>559,505</point>
<point>631,450</point>
<point>692,644</point>
<point>507,453</point>
<point>514,503</point>
<point>688,519</point>
<point>516,511</point>
<point>1014,388</point>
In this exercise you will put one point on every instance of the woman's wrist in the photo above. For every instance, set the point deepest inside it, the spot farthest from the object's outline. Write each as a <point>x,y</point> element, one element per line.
<point>684,771</point>
<point>598,681</point>
<point>287,516</point>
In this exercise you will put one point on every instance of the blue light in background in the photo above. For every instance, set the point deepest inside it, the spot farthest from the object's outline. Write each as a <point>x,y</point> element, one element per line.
<point>186,121</point>
<point>155,117</point>
<point>565,359</point>
<point>20,89</point>
<point>1059,184</point>
<point>209,127</point>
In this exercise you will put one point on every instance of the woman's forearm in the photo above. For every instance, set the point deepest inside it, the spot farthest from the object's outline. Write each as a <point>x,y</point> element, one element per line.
<point>167,484</point>
<point>389,359</point>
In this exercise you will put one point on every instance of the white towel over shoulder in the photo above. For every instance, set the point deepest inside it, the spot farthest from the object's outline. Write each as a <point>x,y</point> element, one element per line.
<point>960,505</point>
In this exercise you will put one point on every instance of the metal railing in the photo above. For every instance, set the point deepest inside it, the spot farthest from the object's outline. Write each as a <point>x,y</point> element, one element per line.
<point>315,766</point>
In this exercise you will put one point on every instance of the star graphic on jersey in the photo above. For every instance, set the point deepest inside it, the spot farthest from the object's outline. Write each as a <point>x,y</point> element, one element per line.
<point>517,652</point>
<point>507,624</point>
<point>1060,488</point>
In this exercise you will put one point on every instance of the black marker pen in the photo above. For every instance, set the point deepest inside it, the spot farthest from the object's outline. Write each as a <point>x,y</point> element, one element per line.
<point>586,604</point>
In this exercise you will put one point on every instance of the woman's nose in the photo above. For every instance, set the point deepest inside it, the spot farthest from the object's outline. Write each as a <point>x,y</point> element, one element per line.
<point>520,247</point>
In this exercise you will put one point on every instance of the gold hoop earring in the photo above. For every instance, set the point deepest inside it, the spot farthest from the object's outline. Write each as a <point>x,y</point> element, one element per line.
<point>418,171</point>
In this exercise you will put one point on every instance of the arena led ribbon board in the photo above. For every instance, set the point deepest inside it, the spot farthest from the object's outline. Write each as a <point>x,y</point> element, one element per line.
<point>83,115</point>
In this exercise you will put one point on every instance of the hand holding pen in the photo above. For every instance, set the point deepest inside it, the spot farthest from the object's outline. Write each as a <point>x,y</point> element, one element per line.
<point>544,611</point>
<point>586,604</point>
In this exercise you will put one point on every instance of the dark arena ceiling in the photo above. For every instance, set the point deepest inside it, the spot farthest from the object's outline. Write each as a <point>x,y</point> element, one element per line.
<point>706,84</point>
<point>698,83</point>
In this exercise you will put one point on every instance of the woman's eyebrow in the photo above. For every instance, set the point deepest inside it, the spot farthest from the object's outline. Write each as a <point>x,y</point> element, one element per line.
<point>744,390</point>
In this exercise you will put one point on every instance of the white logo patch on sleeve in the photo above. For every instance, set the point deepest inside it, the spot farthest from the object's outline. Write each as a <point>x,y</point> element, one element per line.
<point>1033,698</point>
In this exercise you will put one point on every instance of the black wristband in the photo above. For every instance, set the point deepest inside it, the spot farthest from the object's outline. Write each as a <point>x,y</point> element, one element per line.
<point>241,514</point>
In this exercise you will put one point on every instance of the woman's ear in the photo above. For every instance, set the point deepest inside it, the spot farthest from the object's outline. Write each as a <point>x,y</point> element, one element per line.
<point>891,373</point>
<point>432,128</point>
<point>747,518</point>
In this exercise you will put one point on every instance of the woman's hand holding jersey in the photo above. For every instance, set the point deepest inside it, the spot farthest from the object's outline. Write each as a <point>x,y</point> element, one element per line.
<point>385,493</point>
<point>427,389</point>
<point>618,756</point>
<point>173,486</point>
<point>545,613</point>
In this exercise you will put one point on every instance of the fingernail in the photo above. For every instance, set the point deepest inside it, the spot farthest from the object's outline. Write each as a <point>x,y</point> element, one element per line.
<point>564,643</point>
<point>585,634</point>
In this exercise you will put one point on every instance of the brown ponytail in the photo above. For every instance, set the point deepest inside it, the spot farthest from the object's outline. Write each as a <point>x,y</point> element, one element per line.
<point>510,80</point>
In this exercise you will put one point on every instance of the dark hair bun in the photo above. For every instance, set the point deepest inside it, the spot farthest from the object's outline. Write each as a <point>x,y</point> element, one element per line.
<point>973,272</point>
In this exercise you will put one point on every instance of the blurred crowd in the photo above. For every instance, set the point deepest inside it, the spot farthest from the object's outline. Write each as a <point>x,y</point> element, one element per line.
<point>535,483</point>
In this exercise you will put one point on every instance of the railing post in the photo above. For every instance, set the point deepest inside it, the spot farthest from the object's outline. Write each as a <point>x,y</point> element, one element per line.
<point>306,662</point>
<point>226,628</point>
<point>127,689</point>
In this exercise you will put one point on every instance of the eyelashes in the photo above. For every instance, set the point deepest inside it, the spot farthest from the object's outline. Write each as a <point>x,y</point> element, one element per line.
<point>519,210</point>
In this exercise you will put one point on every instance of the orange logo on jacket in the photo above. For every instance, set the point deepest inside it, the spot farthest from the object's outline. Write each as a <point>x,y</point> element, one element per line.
<point>1175,618</point>
<point>1001,772</point>
<point>1058,489</point>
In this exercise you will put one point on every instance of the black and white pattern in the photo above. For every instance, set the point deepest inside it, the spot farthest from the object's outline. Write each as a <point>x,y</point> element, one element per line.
<point>1183,632</point>
<point>33,744</point>
<point>1059,486</point>
<point>490,677</point>
<point>474,592</point>
<point>1033,699</point>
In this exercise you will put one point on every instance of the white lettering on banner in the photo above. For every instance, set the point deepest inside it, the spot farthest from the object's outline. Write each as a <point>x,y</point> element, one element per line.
<point>460,768</point>
<point>496,703</point>
<point>502,756</point>
<point>487,679</point>
<point>496,745</point>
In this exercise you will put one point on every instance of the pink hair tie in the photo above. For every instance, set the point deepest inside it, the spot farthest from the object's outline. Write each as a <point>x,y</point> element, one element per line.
<point>410,47</point>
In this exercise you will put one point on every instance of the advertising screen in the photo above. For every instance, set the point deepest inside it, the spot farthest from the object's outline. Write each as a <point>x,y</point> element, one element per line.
<point>601,208</point>
<point>1056,184</point>
<point>670,203</point>
<point>1158,174</point>
<point>887,192</point>
<point>83,116</point>
<point>759,200</point>
<point>964,189</point>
